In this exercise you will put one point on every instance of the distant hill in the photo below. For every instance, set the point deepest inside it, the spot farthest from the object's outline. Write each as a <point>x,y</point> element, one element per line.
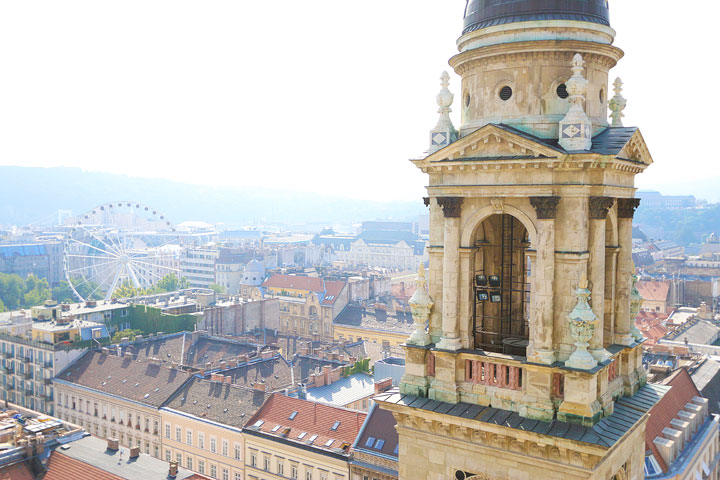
<point>29,195</point>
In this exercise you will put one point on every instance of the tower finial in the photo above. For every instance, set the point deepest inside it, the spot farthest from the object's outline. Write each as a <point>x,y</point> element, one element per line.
<point>617,104</point>
<point>576,127</point>
<point>444,132</point>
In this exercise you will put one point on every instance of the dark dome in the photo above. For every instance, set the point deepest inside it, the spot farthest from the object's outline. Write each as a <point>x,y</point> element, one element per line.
<point>486,13</point>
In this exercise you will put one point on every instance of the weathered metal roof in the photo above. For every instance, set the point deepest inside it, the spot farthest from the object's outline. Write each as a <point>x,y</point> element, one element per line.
<point>487,13</point>
<point>628,411</point>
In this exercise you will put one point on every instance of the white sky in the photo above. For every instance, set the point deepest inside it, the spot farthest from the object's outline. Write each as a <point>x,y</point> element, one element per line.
<point>320,95</point>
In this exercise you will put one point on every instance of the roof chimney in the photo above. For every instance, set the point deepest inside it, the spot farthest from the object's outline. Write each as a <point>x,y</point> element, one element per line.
<point>172,473</point>
<point>134,452</point>
<point>260,386</point>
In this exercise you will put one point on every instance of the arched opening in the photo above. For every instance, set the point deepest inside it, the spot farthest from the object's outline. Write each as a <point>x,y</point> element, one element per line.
<point>501,285</point>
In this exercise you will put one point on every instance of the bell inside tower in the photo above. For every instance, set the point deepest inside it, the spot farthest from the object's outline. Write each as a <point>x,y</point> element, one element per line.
<point>501,286</point>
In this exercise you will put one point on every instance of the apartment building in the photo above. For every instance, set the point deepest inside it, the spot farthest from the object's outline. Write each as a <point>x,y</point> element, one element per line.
<point>308,305</point>
<point>118,397</point>
<point>296,439</point>
<point>202,426</point>
<point>198,266</point>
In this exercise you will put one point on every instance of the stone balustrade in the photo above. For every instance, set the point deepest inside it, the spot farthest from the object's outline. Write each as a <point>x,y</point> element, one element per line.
<point>493,374</point>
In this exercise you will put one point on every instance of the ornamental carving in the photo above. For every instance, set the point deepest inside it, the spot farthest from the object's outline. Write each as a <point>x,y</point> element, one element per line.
<point>627,206</point>
<point>545,207</point>
<point>599,207</point>
<point>426,201</point>
<point>451,206</point>
<point>497,204</point>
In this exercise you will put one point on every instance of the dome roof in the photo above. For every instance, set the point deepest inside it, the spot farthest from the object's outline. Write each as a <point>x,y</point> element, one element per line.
<point>487,13</point>
<point>255,266</point>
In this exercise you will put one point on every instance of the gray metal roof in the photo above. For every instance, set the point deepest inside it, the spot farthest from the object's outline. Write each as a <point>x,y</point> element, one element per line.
<point>344,391</point>
<point>628,411</point>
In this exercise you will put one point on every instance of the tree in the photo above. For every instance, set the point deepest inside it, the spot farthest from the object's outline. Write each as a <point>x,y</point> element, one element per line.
<point>217,288</point>
<point>2,306</point>
<point>12,291</point>
<point>37,291</point>
<point>126,290</point>
<point>171,283</point>
<point>129,333</point>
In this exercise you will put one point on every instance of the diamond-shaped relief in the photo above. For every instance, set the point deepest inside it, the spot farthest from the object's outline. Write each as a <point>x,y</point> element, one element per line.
<point>571,131</point>
<point>439,139</point>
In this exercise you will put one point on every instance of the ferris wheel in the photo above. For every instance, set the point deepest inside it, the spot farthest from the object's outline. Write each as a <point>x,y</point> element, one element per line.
<point>119,243</point>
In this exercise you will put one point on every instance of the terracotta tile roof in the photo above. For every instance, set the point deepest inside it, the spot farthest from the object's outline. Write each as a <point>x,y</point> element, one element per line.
<point>228,404</point>
<point>333,289</point>
<point>295,282</point>
<point>653,291</point>
<point>144,382</point>
<point>17,471</point>
<point>682,392</point>
<point>311,419</point>
<point>62,467</point>
<point>380,425</point>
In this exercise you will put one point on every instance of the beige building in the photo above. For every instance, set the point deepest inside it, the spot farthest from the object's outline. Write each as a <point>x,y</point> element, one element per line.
<point>297,439</point>
<point>117,397</point>
<point>202,427</point>
<point>531,206</point>
<point>308,305</point>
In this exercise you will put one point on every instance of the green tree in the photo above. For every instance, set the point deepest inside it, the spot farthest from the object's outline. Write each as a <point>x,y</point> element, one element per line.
<point>2,306</point>
<point>37,291</point>
<point>126,290</point>
<point>129,333</point>
<point>171,283</point>
<point>217,288</point>
<point>12,291</point>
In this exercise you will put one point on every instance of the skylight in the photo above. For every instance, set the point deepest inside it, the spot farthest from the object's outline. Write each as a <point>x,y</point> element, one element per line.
<point>259,423</point>
<point>379,444</point>
<point>293,414</point>
<point>276,428</point>
<point>397,447</point>
<point>313,438</point>
<point>335,426</point>
<point>329,442</point>
<point>369,442</point>
<point>302,435</point>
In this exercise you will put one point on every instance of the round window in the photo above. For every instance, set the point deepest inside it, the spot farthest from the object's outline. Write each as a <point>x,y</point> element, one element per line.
<point>467,99</point>
<point>602,95</point>
<point>505,93</point>
<point>562,91</point>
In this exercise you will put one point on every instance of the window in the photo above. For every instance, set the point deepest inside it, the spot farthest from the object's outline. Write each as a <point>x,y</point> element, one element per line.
<point>238,476</point>
<point>238,451</point>
<point>213,444</point>
<point>189,463</point>
<point>213,471</point>
<point>293,471</point>
<point>188,436</point>
<point>226,474</point>
<point>293,415</point>
<point>313,438</point>
<point>178,457</point>
<point>225,448</point>
<point>379,444</point>
<point>302,435</point>
<point>280,467</point>
<point>335,426</point>
<point>253,459</point>
<point>266,462</point>
<point>370,441</point>
<point>167,453</point>
<point>201,440</point>
<point>201,466</point>
<point>308,475</point>
<point>178,434</point>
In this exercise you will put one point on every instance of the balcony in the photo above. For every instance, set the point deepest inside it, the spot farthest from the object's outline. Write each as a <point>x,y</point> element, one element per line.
<point>8,355</point>
<point>28,375</point>
<point>10,388</point>
<point>25,359</point>
<point>29,392</point>
<point>47,381</point>
<point>8,370</point>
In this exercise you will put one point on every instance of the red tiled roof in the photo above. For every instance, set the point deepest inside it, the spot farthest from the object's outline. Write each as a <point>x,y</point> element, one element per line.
<point>333,288</point>
<point>311,418</point>
<point>653,291</point>
<point>62,467</point>
<point>18,471</point>
<point>295,282</point>
<point>682,392</point>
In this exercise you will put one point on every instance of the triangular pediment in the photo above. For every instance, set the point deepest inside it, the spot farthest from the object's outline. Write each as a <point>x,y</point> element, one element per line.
<point>636,150</point>
<point>493,141</point>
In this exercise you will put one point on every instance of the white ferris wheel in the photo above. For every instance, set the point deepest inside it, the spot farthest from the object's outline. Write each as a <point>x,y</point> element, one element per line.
<point>119,243</point>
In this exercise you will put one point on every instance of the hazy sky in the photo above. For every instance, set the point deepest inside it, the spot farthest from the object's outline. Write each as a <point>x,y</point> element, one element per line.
<point>319,95</point>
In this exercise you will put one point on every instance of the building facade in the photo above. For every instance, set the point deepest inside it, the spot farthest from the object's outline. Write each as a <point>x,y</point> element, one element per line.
<point>531,205</point>
<point>198,266</point>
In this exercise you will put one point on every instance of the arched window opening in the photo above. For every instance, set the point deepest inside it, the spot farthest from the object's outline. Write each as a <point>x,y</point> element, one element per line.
<point>501,286</point>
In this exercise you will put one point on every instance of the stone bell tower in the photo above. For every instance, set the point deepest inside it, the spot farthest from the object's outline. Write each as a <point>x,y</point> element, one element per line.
<point>525,359</point>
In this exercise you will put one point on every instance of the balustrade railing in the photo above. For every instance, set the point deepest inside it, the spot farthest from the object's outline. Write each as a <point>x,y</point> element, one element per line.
<point>493,374</point>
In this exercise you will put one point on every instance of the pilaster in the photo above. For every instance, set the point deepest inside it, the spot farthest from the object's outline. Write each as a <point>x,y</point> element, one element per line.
<point>599,207</point>
<point>626,211</point>
<point>444,387</point>
<point>451,207</point>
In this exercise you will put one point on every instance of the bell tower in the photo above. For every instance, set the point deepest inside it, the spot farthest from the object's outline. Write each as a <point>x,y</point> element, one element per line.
<point>525,359</point>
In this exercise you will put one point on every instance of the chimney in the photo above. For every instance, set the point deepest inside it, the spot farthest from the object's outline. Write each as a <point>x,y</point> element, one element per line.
<point>383,384</point>
<point>302,392</point>
<point>666,448</point>
<point>134,452</point>
<point>233,362</point>
<point>228,379</point>
<point>260,386</point>
<point>243,358</point>
<point>113,444</point>
<point>326,374</point>
<point>266,354</point>
<point>172,473</point>
<point>335,374</point>
<point>223,365</point>
<point>676,437</point>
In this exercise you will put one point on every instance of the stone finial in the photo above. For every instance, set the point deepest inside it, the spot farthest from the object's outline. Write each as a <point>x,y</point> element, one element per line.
<point>582,327</point>
<point>617,104</point>
<point>421,304</point>
<point>444,132</point>
<point>576,128</point>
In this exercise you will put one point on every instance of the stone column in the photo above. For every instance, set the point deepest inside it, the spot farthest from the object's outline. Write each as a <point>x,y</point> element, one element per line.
<point>626,211</point>
<point>435,267</point>
<point>599,207</point>
<point>541,327</point>
<point>451,207</point>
